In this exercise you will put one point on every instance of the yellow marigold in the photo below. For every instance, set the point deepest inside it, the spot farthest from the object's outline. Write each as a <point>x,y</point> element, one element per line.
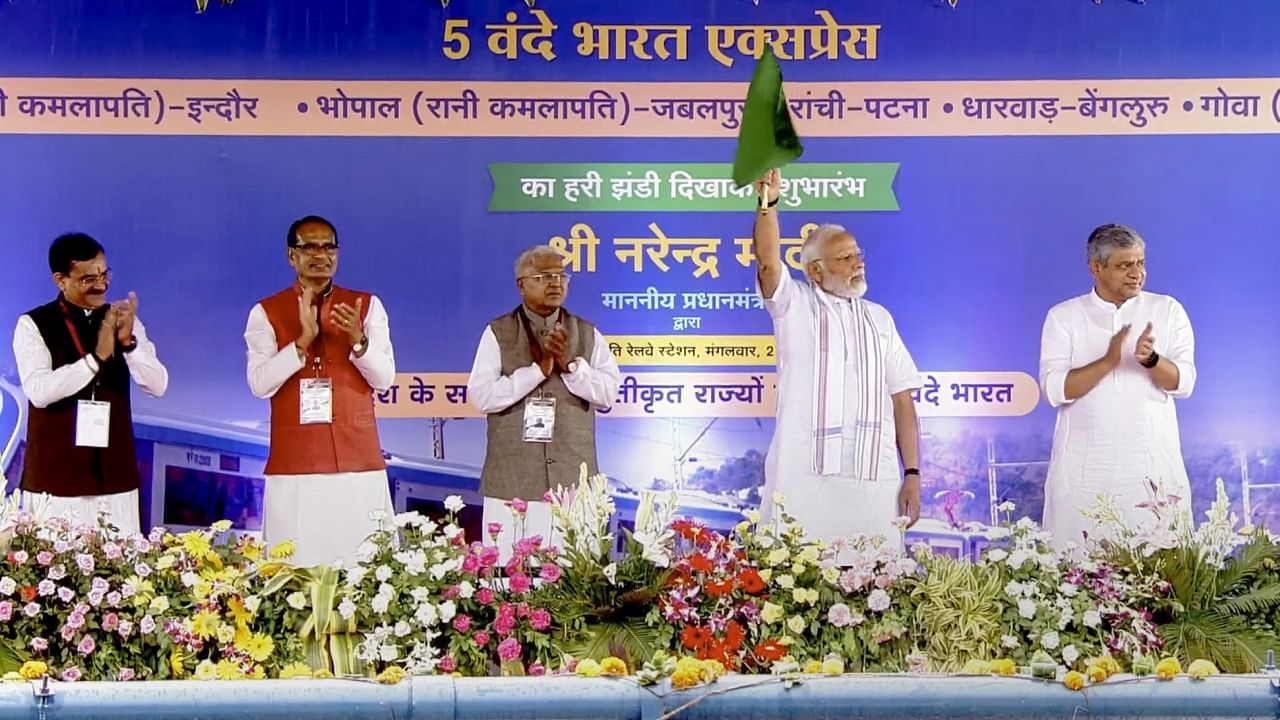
<point>1168,668</point>
<point>588,668</point>
<point>242,636</point>
<point>205,624</point>
<point>13,676</point>
<point>260,647</point>
<point>392,675</point>
<point>176,660</point>
<point>1108,663</point>
<point>690,664</point>
<point>1074,680</point>
<point>206,670</point>
<point>33,670</point>
<point>833,665</point>
<point>322,674</point>
<point>613,666</point>
<point>257,672</point>
<point>238,612</point>
<point>284,550</point>
<point>1201,669</point>
<point>813,667</point>
<point>976,667</point>
<point>229,670</point>
<point>712,669</point>
<point>685,679</point>
<point>1096,673</point>
<point>252,549</point>
<point>1003,666</point>
<point>295,670</point>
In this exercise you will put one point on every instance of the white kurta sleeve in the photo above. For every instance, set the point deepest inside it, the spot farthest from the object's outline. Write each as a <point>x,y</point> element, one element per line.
<point>900,372</point>
<point>43,385</point>
<point>487,388</point>
<point>1181,350</point>
<point>269,366</point>
<point>783,296</point>
<point>596,380</point>
<point>1055,359</point>
<point>378,364</point>
<point>144,364</point>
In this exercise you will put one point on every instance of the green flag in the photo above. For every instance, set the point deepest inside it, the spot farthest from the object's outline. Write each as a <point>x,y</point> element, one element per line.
<point>767,139</point>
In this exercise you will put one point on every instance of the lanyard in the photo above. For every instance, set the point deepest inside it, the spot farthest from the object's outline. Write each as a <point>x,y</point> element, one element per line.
<point>75,338</point>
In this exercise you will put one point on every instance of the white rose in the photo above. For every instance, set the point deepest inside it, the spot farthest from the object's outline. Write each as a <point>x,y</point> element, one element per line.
<point>465,590</point>
<point>1027,608</point>
<point>454,503</point>
<point>402,628</point>
<point>1009,641</point>
<point>356,574</point>
<point>1050,640</point>
<point>997,555</point>
<point>447,610</point>
<point>426,614</point>
<point>388,652</point>
<point>251,604</point>
<point>452,531</point>
<point>1092,618</point>
<point>380,603</point>
<point>296,600</point>
<point>1013,589</point>
<point>383,573</point>
<point>366,551</point>
<point>346,608</point>
<point>7,586</point>
<point>1068,589</point>
<point>1017,559</point>
<point>1070,655</point>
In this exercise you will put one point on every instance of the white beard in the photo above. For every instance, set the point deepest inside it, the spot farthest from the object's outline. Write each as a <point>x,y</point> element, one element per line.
<point>851,289</point>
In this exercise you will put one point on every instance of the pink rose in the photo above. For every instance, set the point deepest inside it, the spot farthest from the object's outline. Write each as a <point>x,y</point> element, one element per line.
<point>528,546</point>
<point>489,556</point>
<point>537,670</point>
<point>71,674</point>
<point>509,649</point>
<point>518,506</point>
<point>31,609</point>
<point>471,564</point>
<point>147,626</point>
<point>447,664</point>
<point>484,596</point>
<point>540,619</point>
<point>19,557</point>
<point>126,674</point>
<point>462,623</point>
<point>110,622</point>
<point>504,625</point>
<point>84,561</point>
<point>44,557</point>
<point>520,583</point>
<point>550,572</point>
<point>111,551</point>
<point>39,644</point>
<point>66,595</point>
<point>126,628</point>
<point>481,638</point>
<point>86,645</point>
<point>6,611</point>
<point>495,529</point>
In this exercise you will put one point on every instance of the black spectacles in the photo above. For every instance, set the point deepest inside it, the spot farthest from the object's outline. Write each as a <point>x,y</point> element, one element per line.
<point>316,248</point>
<point>88,281</point>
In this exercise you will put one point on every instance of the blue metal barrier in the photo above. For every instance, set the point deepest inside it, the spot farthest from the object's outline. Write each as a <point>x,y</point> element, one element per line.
<point>899,697</point>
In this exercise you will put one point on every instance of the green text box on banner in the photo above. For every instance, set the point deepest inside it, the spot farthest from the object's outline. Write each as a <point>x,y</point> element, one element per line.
<point>684,187</point>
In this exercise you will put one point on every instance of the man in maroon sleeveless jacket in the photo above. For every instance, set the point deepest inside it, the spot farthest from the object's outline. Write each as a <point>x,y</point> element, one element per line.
<point>76,357</point>
<point>318,352</point>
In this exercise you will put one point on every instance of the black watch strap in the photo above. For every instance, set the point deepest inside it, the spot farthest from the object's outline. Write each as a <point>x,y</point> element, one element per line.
<point>133,345</point>
<point>1152,361</point>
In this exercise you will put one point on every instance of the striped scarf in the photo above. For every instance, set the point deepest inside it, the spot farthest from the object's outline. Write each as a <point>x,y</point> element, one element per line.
<point>839,333</point>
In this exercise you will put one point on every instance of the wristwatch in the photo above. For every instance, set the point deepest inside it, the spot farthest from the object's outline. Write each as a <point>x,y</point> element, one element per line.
<point>360,345</point>
<point>1151,361</point>
<point>573,366</point>
<point>133,345</point>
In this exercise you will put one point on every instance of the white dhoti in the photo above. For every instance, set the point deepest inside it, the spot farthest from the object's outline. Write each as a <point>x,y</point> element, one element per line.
<point>327,515</point>
<point>121,508</point>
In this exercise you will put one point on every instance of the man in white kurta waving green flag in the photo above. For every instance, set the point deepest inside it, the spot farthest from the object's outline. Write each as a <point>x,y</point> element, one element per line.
<point>845,415</point>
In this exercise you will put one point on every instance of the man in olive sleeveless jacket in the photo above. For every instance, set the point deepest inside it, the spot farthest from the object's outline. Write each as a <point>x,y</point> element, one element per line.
<point>539,375</point>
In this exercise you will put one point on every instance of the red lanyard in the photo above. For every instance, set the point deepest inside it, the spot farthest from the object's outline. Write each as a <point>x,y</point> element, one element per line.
<point>71,328</point>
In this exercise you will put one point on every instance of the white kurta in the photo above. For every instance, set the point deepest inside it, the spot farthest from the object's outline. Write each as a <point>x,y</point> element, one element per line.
<point>327,515</point>
<point>834,505</point>
<point>1124,432</point>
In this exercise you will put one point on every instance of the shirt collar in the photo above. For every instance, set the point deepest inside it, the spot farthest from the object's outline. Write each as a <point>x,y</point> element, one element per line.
<point>1097,302</point>
<point>541,325</point>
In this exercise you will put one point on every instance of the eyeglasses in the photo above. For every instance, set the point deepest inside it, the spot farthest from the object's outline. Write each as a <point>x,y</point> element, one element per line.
<point>88,281</point>
<point>548,278</point>
<point>856,257</point>
<point>316,248</point>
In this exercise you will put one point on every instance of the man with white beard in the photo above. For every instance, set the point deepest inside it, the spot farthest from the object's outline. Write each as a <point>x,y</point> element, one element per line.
<point>845,414</point>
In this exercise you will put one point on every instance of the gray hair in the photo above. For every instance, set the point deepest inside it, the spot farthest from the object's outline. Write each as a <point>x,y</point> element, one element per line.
<point>816,240</point>
<point>1106,239</point>
<point>537,251</point>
